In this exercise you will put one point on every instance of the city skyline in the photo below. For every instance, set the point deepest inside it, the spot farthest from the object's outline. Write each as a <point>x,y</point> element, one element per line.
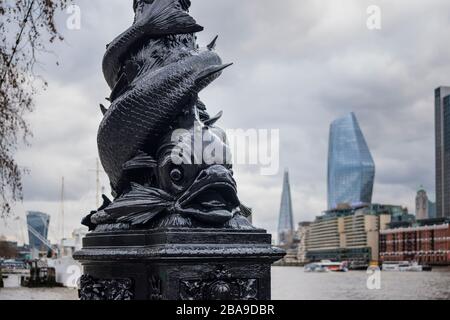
<point>370,72</point>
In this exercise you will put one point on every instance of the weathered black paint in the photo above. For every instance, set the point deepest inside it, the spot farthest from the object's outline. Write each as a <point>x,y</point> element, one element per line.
<point>156,70</point>
<point>177,264</point>
<point>173,231</point>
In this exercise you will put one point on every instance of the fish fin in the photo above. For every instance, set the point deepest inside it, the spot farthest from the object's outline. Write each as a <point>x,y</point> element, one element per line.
<point>245,211</point>
<point>214,119</point>
<point>121,86</point>
<point>185,4</point>
<point>140,161</point>
<point>141,218</point>
<point>239,222</point>
<point>106,202</point>
<point>150,193</point>
<point>131,70</point>
<point>200,105</point>
<point>203,115</point>
<point>103,109</point>
<point>212,45</point>
<point>211,71</point>
<point>140,205</point>
<point>86,221</point>
<point>166,17</point>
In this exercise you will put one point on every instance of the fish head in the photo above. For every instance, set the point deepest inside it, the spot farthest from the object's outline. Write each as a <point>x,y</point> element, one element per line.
<point>212,197</point>
<point>198,173</point>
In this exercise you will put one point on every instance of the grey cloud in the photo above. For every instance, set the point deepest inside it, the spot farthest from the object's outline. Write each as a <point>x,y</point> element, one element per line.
<point>298,66</point>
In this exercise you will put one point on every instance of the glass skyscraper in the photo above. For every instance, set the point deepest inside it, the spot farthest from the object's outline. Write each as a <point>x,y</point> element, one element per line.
<point>442,132</point>
<point>37,229</point>
<point>286,218</point>
<point>351,170</point>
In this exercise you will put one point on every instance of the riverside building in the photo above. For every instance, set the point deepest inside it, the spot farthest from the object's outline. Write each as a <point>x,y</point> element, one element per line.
<point>350,234</point>
<point>427,242</point>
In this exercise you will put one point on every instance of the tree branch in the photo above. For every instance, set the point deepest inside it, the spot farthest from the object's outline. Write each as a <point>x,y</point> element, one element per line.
<point>19,38</point>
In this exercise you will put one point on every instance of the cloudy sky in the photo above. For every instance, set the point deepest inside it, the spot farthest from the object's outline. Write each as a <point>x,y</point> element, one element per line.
<point>298,66</point>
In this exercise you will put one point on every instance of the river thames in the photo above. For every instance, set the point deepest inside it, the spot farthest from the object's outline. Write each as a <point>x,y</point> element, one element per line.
<point>291,283</point>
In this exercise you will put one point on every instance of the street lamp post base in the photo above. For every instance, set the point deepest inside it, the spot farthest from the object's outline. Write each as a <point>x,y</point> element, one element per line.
<point>177,264</point>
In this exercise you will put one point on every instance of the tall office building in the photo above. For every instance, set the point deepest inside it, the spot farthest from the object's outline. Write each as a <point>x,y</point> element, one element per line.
<point>351,170</point>
<point>442,135</point>
<point>431,210</point>
<point>38,230</point>
<point>422,205</point>
<point>425,209</point>
<point>286,218</point>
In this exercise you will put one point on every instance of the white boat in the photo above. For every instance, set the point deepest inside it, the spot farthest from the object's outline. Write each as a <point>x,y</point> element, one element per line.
<point>315,267</point>
<point>12,272</point>
<point>402,266</point>
<point>12,280</point>
<point>326,266</point>
<point>67,271</point>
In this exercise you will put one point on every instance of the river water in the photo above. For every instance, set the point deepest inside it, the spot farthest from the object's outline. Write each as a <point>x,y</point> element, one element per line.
<point>294,284</point>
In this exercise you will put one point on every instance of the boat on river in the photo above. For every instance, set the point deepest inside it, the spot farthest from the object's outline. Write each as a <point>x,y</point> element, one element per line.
<point>12,272</point>
<point>326,266</point>
<point>404,266</point>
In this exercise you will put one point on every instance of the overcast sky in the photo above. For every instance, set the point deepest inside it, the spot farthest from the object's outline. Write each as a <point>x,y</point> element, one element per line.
<point>298,66</point>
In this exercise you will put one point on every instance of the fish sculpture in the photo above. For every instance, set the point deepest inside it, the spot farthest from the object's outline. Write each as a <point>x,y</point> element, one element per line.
<point>156,70</point>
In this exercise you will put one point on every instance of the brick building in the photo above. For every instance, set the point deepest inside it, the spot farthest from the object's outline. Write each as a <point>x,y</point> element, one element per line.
<point>426,243</point>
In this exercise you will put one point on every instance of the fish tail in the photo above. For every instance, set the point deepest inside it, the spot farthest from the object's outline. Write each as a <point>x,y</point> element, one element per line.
<point>167,17</point>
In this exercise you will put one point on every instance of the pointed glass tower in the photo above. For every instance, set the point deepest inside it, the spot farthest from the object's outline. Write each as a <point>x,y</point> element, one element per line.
<point>351,170</point>
<point>286,219</point>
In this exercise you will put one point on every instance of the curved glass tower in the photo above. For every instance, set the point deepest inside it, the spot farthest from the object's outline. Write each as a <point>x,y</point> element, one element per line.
<point>351,170</point>
<point>38,229</point>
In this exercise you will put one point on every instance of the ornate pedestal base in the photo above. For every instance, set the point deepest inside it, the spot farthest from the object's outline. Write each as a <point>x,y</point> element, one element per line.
<point>177,264</point>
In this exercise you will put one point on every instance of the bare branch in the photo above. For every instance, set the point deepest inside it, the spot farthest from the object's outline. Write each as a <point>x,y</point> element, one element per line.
<point>27,27</point>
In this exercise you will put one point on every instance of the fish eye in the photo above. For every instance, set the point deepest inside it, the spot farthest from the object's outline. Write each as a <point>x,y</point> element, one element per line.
<point>176,174</point>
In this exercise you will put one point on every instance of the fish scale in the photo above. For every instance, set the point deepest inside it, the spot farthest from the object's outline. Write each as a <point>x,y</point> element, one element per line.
<point>147,110</point>
<point>166,72</point>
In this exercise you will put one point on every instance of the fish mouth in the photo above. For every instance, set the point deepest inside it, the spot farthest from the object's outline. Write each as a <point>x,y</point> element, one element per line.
<point>212,198</point>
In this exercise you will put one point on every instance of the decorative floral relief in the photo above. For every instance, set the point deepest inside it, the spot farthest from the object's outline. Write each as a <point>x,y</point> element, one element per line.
<point>96,289</point>
<point>219,285</point>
